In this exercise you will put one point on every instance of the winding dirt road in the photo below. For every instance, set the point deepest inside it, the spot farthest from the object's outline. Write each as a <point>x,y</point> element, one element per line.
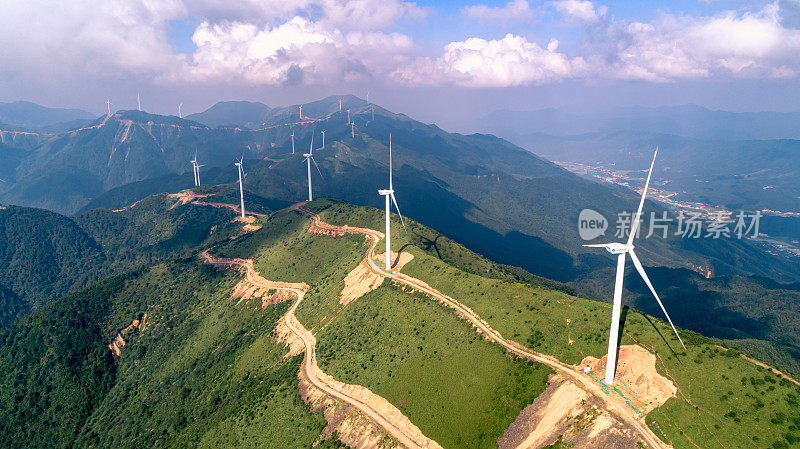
<point>388,421</point>
<point>397,425</point>
<point>617,407</point>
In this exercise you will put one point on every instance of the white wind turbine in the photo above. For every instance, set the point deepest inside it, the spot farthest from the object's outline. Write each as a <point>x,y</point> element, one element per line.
<point>340,106</point>
<point>352,130</point>
<point>180,115</point>
<point>389,194</point>
<point>292,141</point>
<point>323,140</point>
<point>108,105</point>
<point>138,102</point>
<point>241,189</point>
<point>301,112</point>
<point>309,158</point>
<point>621,249</point>
<point>195,170</point>
<point>348,116</point>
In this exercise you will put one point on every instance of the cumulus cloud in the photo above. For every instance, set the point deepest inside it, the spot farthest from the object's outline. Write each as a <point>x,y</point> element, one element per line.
<point>349,14</point>
<point>271,42</point>
<point>86,37</point>
<point>513,10</point>
<point>580,10</point>
<point>298,51</point>
<point>510,61</point>
<point>742,44</point>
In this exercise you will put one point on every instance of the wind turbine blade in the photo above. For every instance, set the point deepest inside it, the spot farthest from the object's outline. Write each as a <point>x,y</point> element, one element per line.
<point>398,212</point>
<point>635,224</point>
<point>311,147</point>
<point>640,269</point>
<point>390,164</point>
<point>315,165</point>
<point>597,245</point>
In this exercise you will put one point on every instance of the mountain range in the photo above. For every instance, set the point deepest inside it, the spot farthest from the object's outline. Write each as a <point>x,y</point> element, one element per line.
<point>281,332</point>
<point>494,197</point>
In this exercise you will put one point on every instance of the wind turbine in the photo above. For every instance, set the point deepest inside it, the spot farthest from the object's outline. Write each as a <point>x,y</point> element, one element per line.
<point>301,112</point>
<point>241,189</point>
<point>620,250</point>
<point>340,106</point>
<point>323,140</point>
<point>292,141</point>
<point>108,105</point>
<point>195,170</point>
<point>309,158</point>
<point>179,110</point>
<point>138,102</point>
<point>389,193</point>
<point>348,116</point>
<point>352,130</point>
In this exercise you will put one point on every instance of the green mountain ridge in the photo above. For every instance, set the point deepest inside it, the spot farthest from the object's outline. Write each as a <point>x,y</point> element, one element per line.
<point>204,370</point>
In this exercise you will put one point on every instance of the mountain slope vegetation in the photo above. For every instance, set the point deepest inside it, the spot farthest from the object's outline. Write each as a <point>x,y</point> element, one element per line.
<point>46,255</point>
<point>202,369</point>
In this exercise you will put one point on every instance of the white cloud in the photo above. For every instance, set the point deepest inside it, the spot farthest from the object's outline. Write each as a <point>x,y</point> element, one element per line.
<point>747,44</point>
<point>346,14</point>
<point>580,10</point>
<point>475,62</point>
<point>41,38</point>
<point>513,10</point>
<point>298,51</point>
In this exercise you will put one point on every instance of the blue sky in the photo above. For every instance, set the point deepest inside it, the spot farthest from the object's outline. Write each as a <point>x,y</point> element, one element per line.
<point>439,61</point>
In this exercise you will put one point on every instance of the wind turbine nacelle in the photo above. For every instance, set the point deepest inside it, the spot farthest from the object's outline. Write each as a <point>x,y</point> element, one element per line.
<point>618,248</point>
<point>307,155</point>
<point>386,192</point>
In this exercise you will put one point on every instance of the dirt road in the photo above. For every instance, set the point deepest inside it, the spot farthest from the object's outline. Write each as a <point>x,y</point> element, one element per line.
<point>617,408</point>
<point>398,427</point>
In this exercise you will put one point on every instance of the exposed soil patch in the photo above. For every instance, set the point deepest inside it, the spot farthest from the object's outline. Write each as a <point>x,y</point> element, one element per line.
<point>118,342</point>
<point>637,377</point>
<point>186,196</point>
<point>569,413</point>
<point>363,279</point>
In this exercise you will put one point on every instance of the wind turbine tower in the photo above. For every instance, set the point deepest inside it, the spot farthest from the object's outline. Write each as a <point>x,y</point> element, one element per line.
<point>389,195</point>
<point>352,130</point>
<point>241,189</point>
<point>301,112</point>
<point>323,140</point>
<point>620,250</point>
<point>348,116</point>
<point>292,141</point>
<point>138,102</point>
<point>108,105</point>
<point>309,158</point>
<point>340,106</point>
<point>195,170</point>
<point>180,115</point>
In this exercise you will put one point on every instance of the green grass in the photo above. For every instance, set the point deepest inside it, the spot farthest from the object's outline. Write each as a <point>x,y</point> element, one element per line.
<point>461,390</point>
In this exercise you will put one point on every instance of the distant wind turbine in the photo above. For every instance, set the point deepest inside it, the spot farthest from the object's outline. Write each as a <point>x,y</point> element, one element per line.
<point>340,106</point>
<point>179,110</point>
<point>292,141</point>
<point>108,105</point>
<point>138,102</point>
<point>620,249</point>
<point>195,170</point>
<point>301,112</point>
<point>309,158</point>
<point>352,130</point>
<point>389,195</point>
<point>241,188</point>
<point>323,140</point>
<point>348,116</point>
